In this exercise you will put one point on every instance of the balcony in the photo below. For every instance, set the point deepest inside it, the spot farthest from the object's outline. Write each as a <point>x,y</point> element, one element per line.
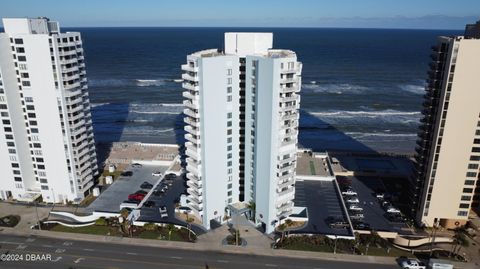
<point>292,116</point>
<point>189,77</point>
<point>192,139</point>
<point>192,130</point>
<point>285,89</point>
<point>286,79</point>
<point>284,143</point>
<point>189,68</point>
<point>189,95</point>
<point>297,67</point>
<point>290,98</point>
<point>191,104</point>
<point>191,113</point>
<point>196,207</point>
<point>286,183</point>
<point>190,86</point>
<point>288,160</point>
<point>194,185</point>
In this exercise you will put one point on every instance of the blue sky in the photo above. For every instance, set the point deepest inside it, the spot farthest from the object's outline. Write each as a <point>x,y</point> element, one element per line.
<point>423,14</point>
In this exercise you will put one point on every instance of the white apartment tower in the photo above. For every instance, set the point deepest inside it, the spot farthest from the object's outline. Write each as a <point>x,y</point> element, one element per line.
<point>448,151</point>
<point>46,137</point>
<point>241,115</point>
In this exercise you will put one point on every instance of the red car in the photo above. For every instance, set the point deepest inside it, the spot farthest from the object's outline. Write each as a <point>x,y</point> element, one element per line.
<point>136,196</point>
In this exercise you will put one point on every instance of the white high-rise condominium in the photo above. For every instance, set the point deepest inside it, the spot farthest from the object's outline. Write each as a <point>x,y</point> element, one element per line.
<point>241,120</point>
<point>448,151</point>
<point>46,136</point>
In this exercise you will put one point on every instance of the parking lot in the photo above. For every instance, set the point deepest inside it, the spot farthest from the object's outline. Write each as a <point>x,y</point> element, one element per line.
<point>374,214</point>
<point>322,201</point>
<point>111,198</point>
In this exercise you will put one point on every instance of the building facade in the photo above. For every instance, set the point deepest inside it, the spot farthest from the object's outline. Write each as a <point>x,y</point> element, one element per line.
<point>46,137</point>
<point>241,115</point>
<point>448,148</point>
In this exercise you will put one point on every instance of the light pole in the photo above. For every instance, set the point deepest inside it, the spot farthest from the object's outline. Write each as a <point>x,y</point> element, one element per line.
<point>38,219</point>
<point>335,245</point>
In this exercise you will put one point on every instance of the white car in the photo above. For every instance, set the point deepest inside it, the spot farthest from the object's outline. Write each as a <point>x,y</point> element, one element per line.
<point>163,212</point>
<point>349,192</point>
<point>355,208</point>
<point>413,264</point>
<point>393,210</point>
<point>157,174</point>
<point>353,200</point>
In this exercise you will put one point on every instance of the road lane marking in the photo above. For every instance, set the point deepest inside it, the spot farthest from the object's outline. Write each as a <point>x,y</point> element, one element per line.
<point>88,249</point>
<point>176,257</point>
<point>78,260</point>
<point>67,243</point>
<point>30,240</point>
<point>21,246</point>
<point>271,265</point>
<point>222,261</point>
<point>59,250</point>
<point>57,259</point>
<point>47,246</point>
<point>132,253</point>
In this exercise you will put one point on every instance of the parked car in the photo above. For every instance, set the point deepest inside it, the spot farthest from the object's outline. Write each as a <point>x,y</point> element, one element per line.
<point>184,209</point>
<point>339,225</point>
<point>157,174</point>
<point>129,204</point>
<point>127,173</point>
<point>163,212</point>
<point>141,192</point>
<point>380,196</point>
<point>149,204</point>
<point>136,197</point>
<point>355,207</point>
<point>146,185</point>
<point>412,264</point>
<point>349,192</point>
<point>136,165</point>
<point>393,210</point>
<point>361,226</point>
<point>353,200</point>
<point>356,217</point>
<point>157,192</point>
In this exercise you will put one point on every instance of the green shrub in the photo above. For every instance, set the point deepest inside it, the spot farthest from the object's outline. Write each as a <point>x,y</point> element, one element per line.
<point>101,222</point>
<point>150,226</point>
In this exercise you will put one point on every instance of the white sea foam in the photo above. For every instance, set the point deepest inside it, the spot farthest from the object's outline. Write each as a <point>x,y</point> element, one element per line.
<point>149,82</point>
<point>336,88</point>
<point>411,88</point>
<point>345,113</point>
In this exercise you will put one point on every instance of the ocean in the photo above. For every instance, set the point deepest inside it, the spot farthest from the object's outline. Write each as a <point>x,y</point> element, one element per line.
<point>362,88</point>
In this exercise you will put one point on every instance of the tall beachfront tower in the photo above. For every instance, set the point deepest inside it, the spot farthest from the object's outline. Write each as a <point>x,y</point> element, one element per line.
<point>448,151</point>
<point>241,115</point>
<point>46,137</point>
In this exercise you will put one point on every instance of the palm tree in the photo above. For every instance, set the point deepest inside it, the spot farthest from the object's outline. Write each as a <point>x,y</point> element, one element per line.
<point>252,206</point>
<point>170,228</point>
<point>282,227</point>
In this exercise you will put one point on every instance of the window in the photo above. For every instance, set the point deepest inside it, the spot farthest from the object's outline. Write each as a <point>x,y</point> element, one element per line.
<point>467,190</point>
<point>476,141</point>
<point>229,98</point>
<point>229,185</point>
<point>229,132</point>
<point>20,50</point>
<point>22,58</point>
<point>476,149</point>
<point>24,75</point>
<point>229,193</point>
<point>229,115</point>
<point>229,148</point>
<point>17,179</point>
<point>474,158</point>
<point>229,140</point>
<point>229,72</point>
<point>229,81</point>
<point>229,89</point>
<point>229,163</point>
<point>18,41</point>
<point>26,83</point>
<point>471,174</point>
<point>464,205</point>
<point>229,155</point>
<point>44,187</point>
<point>28,99</point>
<point>229,123</point>
<point>462,213</point>
<point>469,182</point>
<point>466,198</point>
<point>473,166</point>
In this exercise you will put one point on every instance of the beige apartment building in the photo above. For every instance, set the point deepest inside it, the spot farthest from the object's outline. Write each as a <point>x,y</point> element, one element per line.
<point>448,148</point>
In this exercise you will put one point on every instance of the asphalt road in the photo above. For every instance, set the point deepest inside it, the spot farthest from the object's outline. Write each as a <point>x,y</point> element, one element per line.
<point>80,254</point>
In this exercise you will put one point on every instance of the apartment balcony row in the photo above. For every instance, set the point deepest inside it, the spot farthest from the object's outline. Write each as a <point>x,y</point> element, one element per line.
<point>192,138</point>
<point>282,177</point>
<point>192,121</point>
<point>69,61</point>
<point>73,92</point>
<point>194,199</point>
<point>196,193</point>
<point>286,183</point>
<point>290,116</point>
<point>286,167</point>
<point>284,206</point>
<point>289,79</point>
<point>190,86</point>
<point>287,160</point>
<point>69,69</point>
<point>286,108</point>
<point>297,68</point>
<point>293,88</point>
<point>292,124</point>
<point>79,107</point>
<point>195,184</point>
<point>192,130</point>
<point>87,186</point>
<point>191,113</point>
<point>293,133</point>
<point>288,142</point>
<point>284,213</point>
<point>189,68</point>
<point>291,98</point>
<point>193,104</point>
<point>192,152</point>
<point>67,53</point>
<point>194,169</point>
<point>190,77</point>
<point>196,207</point>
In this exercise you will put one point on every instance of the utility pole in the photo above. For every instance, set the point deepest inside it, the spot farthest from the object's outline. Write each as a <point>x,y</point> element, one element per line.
<point>38,219</point>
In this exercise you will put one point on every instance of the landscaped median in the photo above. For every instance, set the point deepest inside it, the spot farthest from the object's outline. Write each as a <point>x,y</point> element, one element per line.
<point>118,226</point>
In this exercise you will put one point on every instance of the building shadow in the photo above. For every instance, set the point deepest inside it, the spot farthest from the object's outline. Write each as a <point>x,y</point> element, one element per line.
<point>321,136</point>
<point>108,125</point>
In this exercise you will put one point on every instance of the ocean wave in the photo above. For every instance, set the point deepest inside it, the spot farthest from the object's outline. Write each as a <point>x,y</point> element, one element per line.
<point>127,82</point>
<point>336,88</point>
<point>411,88</point>
<point>360,135</point>
<point>379,113</point>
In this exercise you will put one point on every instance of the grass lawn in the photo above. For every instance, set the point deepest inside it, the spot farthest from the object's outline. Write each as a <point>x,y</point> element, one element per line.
<point>92,229</point>
<point>307,247</point>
